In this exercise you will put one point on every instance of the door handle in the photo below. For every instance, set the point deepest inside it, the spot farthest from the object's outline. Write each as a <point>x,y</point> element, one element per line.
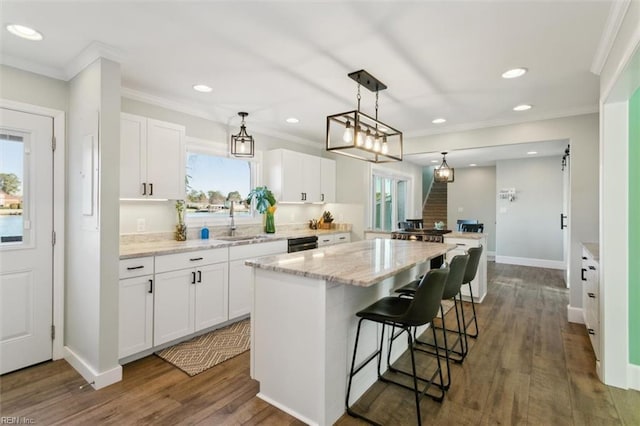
<point>562,218</point>
<point>193,277</point>
<point>150,286</point>
<point>582,274</point>
<point>199,276</point>
<point>194,259</point>
<point>321,197</point>
<point>593,268</point>
<point>591,295</point>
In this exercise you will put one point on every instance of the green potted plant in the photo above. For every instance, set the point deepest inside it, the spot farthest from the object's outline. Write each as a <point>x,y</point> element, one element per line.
<point>181,227</point>
<point>265,204</point>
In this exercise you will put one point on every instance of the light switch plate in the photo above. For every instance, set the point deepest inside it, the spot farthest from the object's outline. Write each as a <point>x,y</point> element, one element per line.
<point>141,224</point>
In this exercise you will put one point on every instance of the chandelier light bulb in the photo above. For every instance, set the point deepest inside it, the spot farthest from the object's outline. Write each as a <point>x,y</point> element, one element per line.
<point>347,136</point>
<point>242,147</point>
<point>368,141</point>
<point>376,144</point>
<point>385,145</point>
<point>360,138</point>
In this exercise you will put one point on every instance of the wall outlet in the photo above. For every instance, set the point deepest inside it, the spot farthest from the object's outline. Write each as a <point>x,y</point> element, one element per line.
<point>460,209</point>
<point>141,224</point>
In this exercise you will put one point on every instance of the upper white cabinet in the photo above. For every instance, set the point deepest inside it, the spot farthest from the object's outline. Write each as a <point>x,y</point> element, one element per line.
<point>151,158</point>
<point>327,180</point>
<point>295,177</point>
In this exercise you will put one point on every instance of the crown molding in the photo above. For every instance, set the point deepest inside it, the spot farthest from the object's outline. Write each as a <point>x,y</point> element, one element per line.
<point>30,66</point>
<point>93,51</point>
<point>617,11</point>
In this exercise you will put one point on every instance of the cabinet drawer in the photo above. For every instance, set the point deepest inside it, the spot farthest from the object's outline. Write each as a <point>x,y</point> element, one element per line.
<point>325,240</point>
<point>257,250</point>
<point>174,262</point>
<point>136,267</point>
<point>342,238</point>
<point>462,243</point>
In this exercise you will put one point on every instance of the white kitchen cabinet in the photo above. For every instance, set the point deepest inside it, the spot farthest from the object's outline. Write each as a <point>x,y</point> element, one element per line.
<point>327,180</point>
<point>152,154</point>
<point>295,177</point>
<point>479,283</point>
<point>326,240</point>
<point>591,299</point>
<point>343,237</point>
<point>135,306</point>
<point>241,276</point>
<point>192,298</point>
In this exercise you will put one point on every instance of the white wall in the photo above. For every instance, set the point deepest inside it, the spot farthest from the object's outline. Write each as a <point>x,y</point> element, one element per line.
<point>474,191</point>
<point>91,308</point>
<point>33,88</point>
<point>528,228</point>
<point>582,133</point>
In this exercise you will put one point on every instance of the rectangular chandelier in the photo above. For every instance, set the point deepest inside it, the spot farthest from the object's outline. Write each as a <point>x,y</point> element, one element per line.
<point>358,135</point>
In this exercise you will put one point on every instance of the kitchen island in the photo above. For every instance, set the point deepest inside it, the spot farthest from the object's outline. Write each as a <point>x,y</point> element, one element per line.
<point>303,320</point>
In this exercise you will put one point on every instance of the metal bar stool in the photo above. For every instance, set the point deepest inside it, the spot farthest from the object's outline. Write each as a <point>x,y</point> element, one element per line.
<point>469,275</point>
<point>405,314</point>
<point>457,269</point>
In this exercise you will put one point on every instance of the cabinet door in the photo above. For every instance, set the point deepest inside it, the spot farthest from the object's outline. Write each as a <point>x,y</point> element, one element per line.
<point>292,183</point>
<point>165,160</point>
<point>311,178</point>
<point>211,295</point>
<point>173,306</point>
<point>326,240</point>
<point>133,137</point>
<point>136,315</point>
<point>342,238</point>
<point>240,280</point>
<point>327,180</point>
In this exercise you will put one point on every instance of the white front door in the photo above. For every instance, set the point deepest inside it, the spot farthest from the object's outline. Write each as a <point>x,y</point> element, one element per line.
<point>26,231</point>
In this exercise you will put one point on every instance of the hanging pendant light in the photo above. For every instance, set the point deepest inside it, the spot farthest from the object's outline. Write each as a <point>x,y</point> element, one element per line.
<point>358,135</point>
<point>242,143</point>
<point>444,173</point>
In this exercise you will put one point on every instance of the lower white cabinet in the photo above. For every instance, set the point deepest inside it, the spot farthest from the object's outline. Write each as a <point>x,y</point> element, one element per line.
<point>136,315</point>
<point>190,299</point>
<point>241,276</point>
<point>330,239</point>
<point>479,283</point>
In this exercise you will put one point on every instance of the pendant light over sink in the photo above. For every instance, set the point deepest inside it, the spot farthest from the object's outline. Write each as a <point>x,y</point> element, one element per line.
<point>242,143</point>
<point>444,173</point>
<point>358,135</point>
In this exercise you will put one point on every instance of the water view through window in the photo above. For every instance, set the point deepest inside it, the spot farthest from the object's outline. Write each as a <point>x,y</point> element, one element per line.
<point>11,188</point>
<point>216,183</point>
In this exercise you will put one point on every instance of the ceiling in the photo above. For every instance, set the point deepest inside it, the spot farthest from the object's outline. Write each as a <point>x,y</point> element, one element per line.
<point>280,59</point>
<point>488,156</point>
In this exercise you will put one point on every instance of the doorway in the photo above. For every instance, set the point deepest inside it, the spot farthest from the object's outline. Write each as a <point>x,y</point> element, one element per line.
<point>26,240</point>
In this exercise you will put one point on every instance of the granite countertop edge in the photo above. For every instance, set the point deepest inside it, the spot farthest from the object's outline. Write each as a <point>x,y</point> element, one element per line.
<point>159,248</point>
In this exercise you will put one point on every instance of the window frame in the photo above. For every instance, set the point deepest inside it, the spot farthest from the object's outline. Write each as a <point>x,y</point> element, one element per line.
<point>220,149</point>
<point>395,176</point>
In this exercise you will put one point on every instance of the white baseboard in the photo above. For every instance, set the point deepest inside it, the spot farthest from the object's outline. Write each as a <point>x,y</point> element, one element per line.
<point>525,261</point>
<point>97,380</point>
<point>491,256</point>
<point>575,315</point>
<point>285,409</point>
<point>634,376</point>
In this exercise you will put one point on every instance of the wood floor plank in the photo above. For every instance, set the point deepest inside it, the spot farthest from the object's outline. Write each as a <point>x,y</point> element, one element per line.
<point>528,366</point>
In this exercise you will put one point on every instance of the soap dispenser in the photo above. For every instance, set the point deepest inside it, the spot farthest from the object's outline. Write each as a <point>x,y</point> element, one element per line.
<point>204,232</point>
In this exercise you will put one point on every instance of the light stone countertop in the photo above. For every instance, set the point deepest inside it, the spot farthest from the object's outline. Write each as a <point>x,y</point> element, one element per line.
<point>594,249</point>
<point>155,248</point>
<point>361,263</point>
<point>467,235</point>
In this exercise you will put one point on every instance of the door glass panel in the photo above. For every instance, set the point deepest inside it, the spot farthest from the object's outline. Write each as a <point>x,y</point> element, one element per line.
<point>388,205</point>
<point>12,188</point>
<point>401,200</point>
<point>377,194</point>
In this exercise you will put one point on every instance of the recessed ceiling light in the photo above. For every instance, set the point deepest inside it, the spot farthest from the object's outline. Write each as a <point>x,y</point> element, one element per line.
<point>532,152</point>
<point>439,120</point>
<point>202,88</point>
<point>514,73</point>
<point>435,161</point>
<point>523,107</point>
<point>24,32</point>
<point>472,165</point>
<point>292,120</point>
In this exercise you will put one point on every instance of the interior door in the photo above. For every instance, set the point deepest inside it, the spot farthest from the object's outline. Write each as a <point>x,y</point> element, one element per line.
<point>26,232</point>
<point>564,218</point>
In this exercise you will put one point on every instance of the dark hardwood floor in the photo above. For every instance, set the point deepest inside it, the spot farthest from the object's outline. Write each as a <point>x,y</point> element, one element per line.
<point>529,366</point>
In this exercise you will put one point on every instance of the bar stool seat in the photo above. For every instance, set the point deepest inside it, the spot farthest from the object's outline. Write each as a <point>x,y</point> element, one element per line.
<point>405,314</point>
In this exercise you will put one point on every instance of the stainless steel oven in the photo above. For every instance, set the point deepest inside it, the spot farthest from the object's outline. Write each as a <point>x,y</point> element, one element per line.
<point>302,243</point>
